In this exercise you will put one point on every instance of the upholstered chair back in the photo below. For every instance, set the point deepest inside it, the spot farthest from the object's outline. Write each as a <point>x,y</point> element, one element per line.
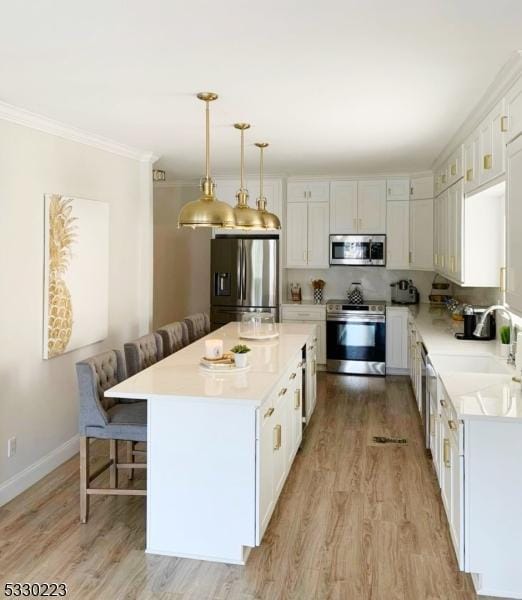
<point>95,375</point>
<point>198,325</point>
<point>143,352</point>
<point>174,337</point>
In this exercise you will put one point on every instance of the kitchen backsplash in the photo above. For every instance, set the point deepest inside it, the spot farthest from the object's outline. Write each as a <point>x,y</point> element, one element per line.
<point>375,281</point>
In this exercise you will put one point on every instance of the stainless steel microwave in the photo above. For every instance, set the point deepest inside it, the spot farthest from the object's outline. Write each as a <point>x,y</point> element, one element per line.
<point>358,250</point>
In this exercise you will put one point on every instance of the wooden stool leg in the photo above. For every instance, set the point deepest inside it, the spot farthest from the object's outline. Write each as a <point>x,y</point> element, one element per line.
<point>130,458</point>
<point>113,469</point>
<point>84,479</point>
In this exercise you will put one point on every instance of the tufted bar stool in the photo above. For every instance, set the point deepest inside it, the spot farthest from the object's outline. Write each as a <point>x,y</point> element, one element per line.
<point>198,325</point>
<point>174,337</point>
<point>106,418</point>
<point>143,352</point>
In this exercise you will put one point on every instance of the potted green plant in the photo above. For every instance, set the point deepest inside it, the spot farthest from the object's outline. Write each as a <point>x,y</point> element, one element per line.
<point>240,352</point>
<point>505,339</point>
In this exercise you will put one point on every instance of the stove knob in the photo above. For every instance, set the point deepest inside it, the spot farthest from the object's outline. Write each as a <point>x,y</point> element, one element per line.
<point>337,307</point>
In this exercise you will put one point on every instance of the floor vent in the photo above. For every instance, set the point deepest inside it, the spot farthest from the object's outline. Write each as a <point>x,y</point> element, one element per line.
<point>381,439</point>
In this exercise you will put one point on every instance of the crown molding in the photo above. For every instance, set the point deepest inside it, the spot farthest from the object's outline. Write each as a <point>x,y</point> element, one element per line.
<point>504,79</point>
<point>26,118</point>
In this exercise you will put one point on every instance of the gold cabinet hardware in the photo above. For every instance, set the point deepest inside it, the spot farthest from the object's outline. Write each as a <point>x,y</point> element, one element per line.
<point>446,447</point>
<point>444,178</point>
<point>453,169</point>
<point>409,257</point>
<point>469,175</point>
<point>297,399</point>
<point>442,261</point>
<point>282,392</point>
<point>452,425</point>
<point>436,259</point>
<point>504,124</point>
<point>516,379</point>
<point>269,413</point>
<point>443,403</point>
<point>301,364</point>
<point>304,255</point>
<point>502,279</point>
<point>293,376</point>
<point>488,161</point>
<point>277,437</point>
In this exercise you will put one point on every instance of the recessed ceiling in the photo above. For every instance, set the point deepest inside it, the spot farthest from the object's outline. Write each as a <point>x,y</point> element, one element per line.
<point>336,87</point>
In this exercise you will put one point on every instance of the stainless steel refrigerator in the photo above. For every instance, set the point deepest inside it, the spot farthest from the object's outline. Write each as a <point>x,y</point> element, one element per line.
<point>244,277</point>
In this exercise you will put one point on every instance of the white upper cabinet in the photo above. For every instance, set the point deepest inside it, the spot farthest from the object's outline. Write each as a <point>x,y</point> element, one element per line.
<point>513,121</point>
<point>309,191</point>
<point>318,227</point>
<point>492,144</point>
<point>421,188</point>
<point>471,152</point>
<point>343,207</point>
<point>397,235</point>
<point>307,226</point>
<point>455,166</point>
<point>297,234</point>
<point>513,221</point>
<point>397,189</point>
<point>421,234</point>
<point>371,206</point>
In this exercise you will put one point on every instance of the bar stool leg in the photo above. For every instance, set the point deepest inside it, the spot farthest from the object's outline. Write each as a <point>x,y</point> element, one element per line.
<point>84,479</point>
<point>113,469</point>
<point>130,458</point>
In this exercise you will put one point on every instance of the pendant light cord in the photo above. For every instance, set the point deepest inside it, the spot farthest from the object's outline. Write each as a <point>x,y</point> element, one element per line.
<point>207,140</point>
<point>261,172</point>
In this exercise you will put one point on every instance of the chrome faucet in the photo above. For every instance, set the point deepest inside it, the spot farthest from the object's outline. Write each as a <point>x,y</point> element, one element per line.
<point>480,328</point>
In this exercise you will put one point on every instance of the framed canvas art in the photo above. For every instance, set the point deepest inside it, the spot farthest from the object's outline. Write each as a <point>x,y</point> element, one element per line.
<point>76,273</point>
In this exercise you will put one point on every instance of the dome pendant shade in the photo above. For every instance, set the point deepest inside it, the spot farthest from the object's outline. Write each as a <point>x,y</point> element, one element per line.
<point>207,210</point>
<point>245,217</point>
<point>270,221</point>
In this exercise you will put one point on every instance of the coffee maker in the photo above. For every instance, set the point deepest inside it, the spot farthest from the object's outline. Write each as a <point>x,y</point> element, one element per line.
<point>404,292</point>
<point>472,315</point>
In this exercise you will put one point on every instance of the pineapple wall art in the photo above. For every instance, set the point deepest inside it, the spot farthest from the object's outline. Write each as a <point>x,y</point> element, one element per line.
<point>76,273</point>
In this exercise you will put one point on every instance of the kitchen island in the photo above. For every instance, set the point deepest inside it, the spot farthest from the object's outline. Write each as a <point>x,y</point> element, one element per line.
<point>220,445</point>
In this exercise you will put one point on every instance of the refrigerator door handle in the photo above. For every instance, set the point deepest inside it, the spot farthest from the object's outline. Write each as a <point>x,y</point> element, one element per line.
<point>240,272</point>
<point>244,274</point>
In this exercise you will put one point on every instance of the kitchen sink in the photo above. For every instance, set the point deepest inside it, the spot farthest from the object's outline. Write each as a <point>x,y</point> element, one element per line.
<point>470,364</point>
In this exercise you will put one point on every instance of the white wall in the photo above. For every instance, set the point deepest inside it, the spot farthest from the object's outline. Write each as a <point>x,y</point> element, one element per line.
<point>181,257</point>
<point>38,398</point>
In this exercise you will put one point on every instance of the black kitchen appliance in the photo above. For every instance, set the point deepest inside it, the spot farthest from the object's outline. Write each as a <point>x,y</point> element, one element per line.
<point>404,292</point>
<point>472,315</point>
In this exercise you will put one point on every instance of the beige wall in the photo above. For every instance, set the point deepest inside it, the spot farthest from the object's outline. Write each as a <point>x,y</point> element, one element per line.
<point>181,258</point>
<point>38,398</point>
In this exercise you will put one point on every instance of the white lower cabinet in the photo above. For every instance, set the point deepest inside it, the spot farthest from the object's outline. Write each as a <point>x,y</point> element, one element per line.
<point>314,314</point>
<point>279,436</point>
<point>396,339</point>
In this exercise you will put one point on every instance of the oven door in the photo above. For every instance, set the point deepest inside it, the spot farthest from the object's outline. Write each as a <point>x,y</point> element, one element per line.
<point>356,344</point>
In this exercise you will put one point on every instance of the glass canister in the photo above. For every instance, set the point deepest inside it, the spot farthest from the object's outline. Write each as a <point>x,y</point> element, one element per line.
<point>260,325</point>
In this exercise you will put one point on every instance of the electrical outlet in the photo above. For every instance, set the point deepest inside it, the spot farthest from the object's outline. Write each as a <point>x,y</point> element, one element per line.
<point>11,447</point>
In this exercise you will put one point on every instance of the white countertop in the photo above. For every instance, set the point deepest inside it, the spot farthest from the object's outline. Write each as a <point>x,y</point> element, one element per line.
<point>438,329</point>
<point>474,395</point>
<point>181,375</point>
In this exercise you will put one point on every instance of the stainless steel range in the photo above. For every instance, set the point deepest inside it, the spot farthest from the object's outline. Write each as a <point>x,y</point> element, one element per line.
<point>356,337</point>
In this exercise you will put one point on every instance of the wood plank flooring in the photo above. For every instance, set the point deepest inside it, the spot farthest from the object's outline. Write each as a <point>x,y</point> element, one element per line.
<point>355,521</point>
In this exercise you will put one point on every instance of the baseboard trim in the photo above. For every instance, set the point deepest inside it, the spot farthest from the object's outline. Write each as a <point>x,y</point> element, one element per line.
<point>33,473</point>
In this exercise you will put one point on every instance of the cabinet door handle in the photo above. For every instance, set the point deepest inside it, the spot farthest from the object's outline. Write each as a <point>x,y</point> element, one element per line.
<point>502,279</point>
<point>504,124</point>
<point>487,161</point>
<point>469,175</point>
<point>453,169</point>
<point>282,392</point>
<point>436,259</point>
<point>277,437</point>
<point>452,425</point>
<point>447,462</point>
<point>409,257</point>
<point>269,413</point>
<point>443,403</point>
<point>293,376</point>
<point>297,399</point>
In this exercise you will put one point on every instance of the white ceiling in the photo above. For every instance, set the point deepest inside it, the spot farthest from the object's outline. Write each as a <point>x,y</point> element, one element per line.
<point>336,87</point>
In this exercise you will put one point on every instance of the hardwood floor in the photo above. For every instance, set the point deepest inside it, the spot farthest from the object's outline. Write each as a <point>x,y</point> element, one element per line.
<point>355,521</point>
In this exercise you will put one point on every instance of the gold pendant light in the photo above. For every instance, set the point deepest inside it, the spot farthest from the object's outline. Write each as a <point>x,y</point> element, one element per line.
<point>246,217</point>
<point>270,221</point>
<point>207,210</point>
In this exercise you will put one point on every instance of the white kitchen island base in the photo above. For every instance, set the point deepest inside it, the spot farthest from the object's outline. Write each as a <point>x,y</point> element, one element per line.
<point>220,445</point>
